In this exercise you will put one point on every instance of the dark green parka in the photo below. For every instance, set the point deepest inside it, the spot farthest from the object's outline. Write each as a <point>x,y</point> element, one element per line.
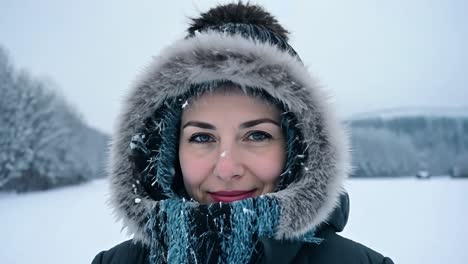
<point>236,46</point>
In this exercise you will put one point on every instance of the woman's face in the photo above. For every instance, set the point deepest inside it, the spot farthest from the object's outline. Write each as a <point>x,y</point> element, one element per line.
<point>231,147</point>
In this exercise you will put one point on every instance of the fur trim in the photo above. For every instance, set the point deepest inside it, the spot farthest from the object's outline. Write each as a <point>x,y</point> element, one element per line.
<point>213,56</point>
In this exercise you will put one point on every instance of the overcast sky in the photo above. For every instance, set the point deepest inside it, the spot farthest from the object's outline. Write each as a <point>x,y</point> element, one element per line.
<point>370,54</point>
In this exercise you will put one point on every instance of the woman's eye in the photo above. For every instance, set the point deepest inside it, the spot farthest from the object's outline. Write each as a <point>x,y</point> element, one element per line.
<point>259,136</point>
<point>201,138</point>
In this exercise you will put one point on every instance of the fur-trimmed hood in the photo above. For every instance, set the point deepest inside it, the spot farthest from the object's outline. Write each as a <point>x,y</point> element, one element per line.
<point>211,57</point>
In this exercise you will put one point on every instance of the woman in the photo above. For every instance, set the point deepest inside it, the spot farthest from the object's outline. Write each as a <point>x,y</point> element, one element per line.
<point>228,152</point>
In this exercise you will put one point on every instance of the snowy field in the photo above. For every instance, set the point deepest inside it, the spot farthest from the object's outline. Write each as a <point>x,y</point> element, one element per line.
<point>412,221</point>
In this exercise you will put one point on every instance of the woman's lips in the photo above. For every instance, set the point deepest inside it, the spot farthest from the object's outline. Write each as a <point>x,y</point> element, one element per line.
<point>231,196</point>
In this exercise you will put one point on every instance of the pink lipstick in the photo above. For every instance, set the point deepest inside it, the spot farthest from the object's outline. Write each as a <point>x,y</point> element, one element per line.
<point>231,196</point>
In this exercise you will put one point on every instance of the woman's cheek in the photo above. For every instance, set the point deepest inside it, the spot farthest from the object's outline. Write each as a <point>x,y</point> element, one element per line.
<point>268,168</point>
<point>195,171</point>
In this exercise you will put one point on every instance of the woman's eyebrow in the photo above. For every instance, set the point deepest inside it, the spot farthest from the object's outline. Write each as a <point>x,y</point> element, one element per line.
<point>255,122</point>
<point>199,124</point>
<point>247,124</point>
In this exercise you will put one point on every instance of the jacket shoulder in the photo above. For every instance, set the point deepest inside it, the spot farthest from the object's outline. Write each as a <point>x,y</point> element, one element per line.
<point>125,252</point>
<point>337,249</point>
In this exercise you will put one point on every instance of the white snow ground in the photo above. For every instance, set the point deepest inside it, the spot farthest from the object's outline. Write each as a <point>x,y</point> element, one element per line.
<point>412,221</point>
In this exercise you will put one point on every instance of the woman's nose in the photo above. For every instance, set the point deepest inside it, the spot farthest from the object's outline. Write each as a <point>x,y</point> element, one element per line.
<point>228,166</point>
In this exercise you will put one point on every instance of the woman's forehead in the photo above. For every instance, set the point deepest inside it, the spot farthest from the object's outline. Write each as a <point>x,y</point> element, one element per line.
<point>234,103</point>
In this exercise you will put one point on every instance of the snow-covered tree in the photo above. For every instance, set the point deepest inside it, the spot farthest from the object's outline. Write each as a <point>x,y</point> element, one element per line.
<point>41,136</point>
<point>460,167</point>
<point>379,152</point>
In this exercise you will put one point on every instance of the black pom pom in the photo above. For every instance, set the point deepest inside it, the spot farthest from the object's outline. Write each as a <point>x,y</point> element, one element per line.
<point>237,13</point>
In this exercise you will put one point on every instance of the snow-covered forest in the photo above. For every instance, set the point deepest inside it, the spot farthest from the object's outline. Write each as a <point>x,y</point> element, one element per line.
<point>44,141</point>
<point>405,144</point>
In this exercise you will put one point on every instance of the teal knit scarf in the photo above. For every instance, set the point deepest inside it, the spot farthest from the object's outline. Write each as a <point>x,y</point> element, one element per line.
<point>187,232</point>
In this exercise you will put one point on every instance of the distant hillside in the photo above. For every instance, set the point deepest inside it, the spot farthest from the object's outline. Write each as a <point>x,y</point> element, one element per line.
<point>403,141</point>
<point>447,112</point>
